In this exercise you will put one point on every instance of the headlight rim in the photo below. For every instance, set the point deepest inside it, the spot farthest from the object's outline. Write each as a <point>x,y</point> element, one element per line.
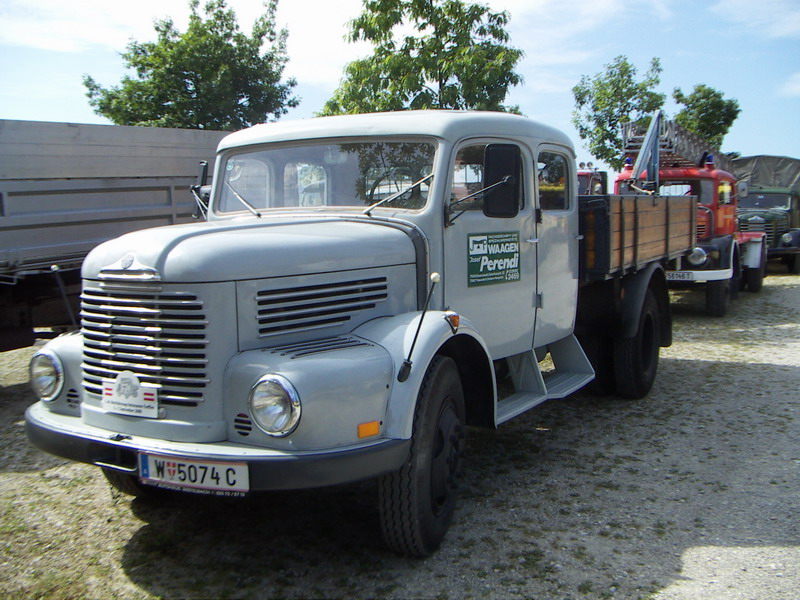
<point>294,403</point>
<point>58,368</point>
<point>697,257</point>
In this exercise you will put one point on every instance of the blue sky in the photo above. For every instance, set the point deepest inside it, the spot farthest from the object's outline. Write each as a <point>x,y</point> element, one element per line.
<point>749,50</point>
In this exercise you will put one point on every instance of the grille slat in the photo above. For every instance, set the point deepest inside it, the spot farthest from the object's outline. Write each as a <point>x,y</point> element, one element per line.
<point>158,335</point>
<point>308,308</point>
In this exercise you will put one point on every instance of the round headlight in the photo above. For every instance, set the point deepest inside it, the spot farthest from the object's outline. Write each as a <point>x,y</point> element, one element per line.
<point>786,238</point>
<point>47,375</point>
<point>275,405</point>
<point>697,257</point>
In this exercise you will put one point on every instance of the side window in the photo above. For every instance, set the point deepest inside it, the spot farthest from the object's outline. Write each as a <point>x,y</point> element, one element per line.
<point>553,173</point>
<point>468,178</point>
<point>725,192</point>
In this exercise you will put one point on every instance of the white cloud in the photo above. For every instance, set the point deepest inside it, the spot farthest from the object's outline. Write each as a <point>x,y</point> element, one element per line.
<point>774,18</point>
<point>791,87</point>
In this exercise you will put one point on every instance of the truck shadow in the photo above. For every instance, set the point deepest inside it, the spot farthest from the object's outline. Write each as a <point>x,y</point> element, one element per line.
<point>588,493</point>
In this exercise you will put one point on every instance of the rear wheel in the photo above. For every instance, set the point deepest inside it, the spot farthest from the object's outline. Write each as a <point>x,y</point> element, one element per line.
<point>636,358</point>
<point>418,501</point>
<point>718,297</point>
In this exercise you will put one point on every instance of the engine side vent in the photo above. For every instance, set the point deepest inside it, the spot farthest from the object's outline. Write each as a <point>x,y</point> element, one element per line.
<point>305,308</point>
<point>319,346</point>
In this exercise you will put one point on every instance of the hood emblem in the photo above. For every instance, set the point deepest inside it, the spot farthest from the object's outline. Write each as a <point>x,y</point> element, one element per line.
<point>129,267</point>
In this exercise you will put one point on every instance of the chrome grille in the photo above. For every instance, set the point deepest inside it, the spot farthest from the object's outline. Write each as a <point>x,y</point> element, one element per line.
<point>773,228</point>
<point>305,308</point>
<point>160,336</point>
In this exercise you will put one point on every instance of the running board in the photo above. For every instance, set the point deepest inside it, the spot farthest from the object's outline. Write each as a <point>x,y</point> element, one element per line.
<point>572,371</point>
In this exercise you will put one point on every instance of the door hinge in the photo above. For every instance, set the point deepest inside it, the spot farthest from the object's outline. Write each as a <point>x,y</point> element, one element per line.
<point>537,301</point>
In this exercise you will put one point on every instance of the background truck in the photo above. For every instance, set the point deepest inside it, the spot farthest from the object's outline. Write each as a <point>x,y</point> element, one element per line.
<point>772,204</point>
<point>364,288</point>
<point>65,188</point>
<point>676,161</point>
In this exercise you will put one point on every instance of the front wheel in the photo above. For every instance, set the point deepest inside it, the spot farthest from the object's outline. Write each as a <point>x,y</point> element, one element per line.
<point>418,501</point>
<point>636,358</point>
<point>718,297</point>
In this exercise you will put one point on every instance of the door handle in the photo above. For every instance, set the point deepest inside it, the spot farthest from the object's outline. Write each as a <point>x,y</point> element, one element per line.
<point>533,240</point>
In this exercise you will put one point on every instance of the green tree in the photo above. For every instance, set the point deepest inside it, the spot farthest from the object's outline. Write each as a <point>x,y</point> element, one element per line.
<point>610,98</point>
<point>211,77</point>
<point>457,59</point>
<point>706,113</point>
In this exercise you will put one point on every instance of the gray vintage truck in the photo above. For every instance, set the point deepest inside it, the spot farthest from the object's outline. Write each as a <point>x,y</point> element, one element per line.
<point>364,288</point>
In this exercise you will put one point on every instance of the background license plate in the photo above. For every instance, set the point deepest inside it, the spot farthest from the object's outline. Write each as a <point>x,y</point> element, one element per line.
<point>680,276</point>
<point>211,476</point>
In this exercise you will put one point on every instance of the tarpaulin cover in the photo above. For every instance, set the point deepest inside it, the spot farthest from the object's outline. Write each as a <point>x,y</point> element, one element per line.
<point>769,171</point>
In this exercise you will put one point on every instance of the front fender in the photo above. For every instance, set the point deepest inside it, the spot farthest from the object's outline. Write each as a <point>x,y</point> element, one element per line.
<point>396,335</point>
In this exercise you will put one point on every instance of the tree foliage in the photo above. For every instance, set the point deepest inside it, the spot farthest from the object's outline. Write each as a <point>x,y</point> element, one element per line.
<point>211,77</point>
<point>610,98</point>
<point>457,57</point>
<point>706,113</point>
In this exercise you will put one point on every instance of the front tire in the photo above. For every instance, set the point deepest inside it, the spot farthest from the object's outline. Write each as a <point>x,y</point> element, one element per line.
<point>418,501</point>
<point>718,297</point>
<point>636,358</point>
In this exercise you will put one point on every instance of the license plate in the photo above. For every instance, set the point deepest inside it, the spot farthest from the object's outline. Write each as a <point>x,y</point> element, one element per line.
<point>680,276</point>
<point>204,476</point>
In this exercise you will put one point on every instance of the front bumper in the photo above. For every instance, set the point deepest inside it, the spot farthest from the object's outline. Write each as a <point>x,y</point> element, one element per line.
<point>68,437</point>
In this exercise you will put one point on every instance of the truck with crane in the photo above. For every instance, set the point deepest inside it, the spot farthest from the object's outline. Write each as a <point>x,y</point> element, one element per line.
<point>676,161</point>
<point>364,288</point>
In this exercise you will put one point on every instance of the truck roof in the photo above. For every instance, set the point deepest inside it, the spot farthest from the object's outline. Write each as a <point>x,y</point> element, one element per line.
<point>449,125</point>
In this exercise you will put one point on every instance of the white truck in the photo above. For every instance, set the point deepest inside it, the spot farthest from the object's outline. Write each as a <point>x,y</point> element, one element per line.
<point>360,289</point>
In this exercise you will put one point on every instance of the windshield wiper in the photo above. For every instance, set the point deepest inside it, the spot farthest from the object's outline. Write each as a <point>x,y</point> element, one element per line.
<point>246,204</point>
<point>396,195</point>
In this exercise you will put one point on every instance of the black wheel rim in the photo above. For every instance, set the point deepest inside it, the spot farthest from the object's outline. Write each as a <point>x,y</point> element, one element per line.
<point>445,456</point>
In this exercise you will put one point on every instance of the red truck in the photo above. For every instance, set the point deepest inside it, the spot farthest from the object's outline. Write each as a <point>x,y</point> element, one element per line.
<point>724,259</point>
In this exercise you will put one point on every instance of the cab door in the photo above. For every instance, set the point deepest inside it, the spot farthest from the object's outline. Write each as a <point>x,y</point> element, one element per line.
<point>557,258</point>
<point>490,261</point>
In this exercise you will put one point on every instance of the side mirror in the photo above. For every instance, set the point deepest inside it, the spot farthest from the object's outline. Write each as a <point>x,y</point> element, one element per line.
<point>742,189</point>
<point>501,172</point>
<point>201,192</point>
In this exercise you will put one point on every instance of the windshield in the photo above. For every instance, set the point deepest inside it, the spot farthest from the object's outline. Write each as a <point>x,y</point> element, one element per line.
<point>702,188</point>
<point>765,201</point>
<point>349,174</point>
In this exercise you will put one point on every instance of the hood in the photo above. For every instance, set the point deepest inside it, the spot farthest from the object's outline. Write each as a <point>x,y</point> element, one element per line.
<point>250,248</point>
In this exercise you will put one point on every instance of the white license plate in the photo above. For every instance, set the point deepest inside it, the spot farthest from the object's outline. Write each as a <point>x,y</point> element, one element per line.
<point>680,276</point>
<point>215,477</point>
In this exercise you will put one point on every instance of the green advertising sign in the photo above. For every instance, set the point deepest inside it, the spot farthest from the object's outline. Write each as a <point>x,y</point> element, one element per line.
<point>493,258</point>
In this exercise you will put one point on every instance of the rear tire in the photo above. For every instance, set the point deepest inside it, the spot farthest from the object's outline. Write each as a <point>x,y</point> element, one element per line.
<point>636,358</point>
<point>754,277</point>
<point>418,501</point>
<point>718,297</point>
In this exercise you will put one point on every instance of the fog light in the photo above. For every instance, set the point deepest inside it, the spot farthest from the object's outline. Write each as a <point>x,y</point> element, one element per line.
<point>47,375</point>
<point>697,257</point>
<point>275,405</point>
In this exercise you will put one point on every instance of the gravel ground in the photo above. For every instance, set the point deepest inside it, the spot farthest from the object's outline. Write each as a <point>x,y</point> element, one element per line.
<point>693,492</point>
